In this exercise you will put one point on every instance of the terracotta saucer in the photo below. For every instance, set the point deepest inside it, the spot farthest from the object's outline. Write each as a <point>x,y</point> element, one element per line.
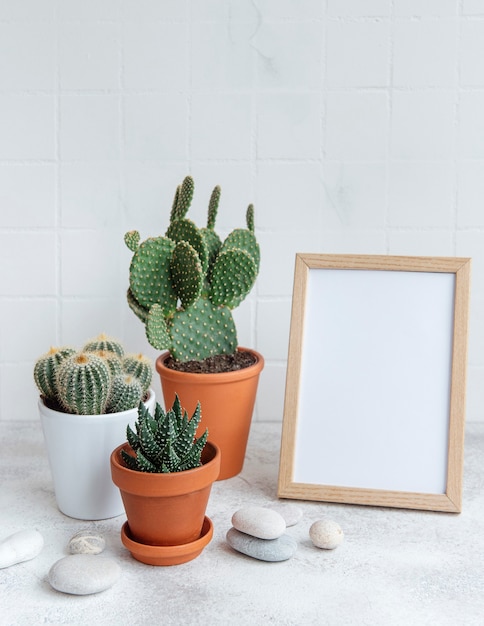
<point>167,555</point>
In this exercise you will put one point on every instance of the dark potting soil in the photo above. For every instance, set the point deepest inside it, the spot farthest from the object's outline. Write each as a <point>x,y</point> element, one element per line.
<point>214,364</point>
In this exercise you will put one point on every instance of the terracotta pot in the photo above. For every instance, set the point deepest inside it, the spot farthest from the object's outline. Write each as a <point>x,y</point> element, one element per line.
<point>78,448</point>
<point>227,401</point>
<point>165,509</point>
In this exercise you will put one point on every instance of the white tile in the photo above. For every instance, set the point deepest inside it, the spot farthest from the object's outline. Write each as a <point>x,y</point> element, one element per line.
<point>27,56</point>
<point>421,243</point>
<point>90,264</point>
<point>355,195</point>
<point>426,8</point>
<point>289,126</point>
<point>222,55</point>
<point>289,55</point>
<point>28,195</point>
<point>356,126</point>
<point>273,322</point>
<point>149,10</point>
<point>476,334</point>
<point>471,70</point>
<point>18,393</point>
<point>354,241</point>
<point>423,124</point>
<point>289,196</point>
<point>359,8</point>
<point>470,185</point>
<point>471,125</point>
<point>27,127</point>
<point>89,10</point>
<point>425,53</point>
<point>278,256</point>
<point>84,318</point>
<point>421,194</point>
<point>221,126</point>
<point>28,10</point>
<point>475,384</point>
<point>155,55</point>
<point>89,56</point>
<point>358,53</point>
<point>472,7</point>
<point>28,263</point>
<point>155,126</point>
<point>89,127</point>
<point>36,333</point>
<point>288,9</point>
<point>471,244</point>
<point>270,394</point>
<point>149,189</point>
<point>90,194</point>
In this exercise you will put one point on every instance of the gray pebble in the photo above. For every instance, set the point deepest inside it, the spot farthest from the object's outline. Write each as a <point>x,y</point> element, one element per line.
<point>291,513</point>
<point>86,542</point>
<point>259,522</point>
<point>83,574</point>
<point>280,549</point>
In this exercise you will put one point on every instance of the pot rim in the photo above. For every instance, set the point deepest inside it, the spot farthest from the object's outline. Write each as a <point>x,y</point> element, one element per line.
<point>45,410</point>
<point>219,377</point>
<point>173,483</point>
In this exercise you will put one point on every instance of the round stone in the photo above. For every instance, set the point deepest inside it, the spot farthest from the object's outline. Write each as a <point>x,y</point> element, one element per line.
<point>83,574</point>
<point>326,534</point>
<point>85,542</point>
<point>291,513</point>
<point>259,522</point>
<point>273,550</point>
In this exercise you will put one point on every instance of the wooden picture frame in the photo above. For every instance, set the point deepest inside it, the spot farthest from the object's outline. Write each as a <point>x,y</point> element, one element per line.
<point>374,408</point>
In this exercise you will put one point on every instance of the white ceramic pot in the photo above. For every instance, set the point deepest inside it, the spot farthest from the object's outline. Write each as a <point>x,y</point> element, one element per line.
<point>79,448</point>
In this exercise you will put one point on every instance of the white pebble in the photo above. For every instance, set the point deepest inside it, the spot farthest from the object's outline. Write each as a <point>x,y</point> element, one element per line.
<point>85,542</point>
<point>326,534</point>
<point>259,522</point>
<point>21,546</point>
<point>83,574</point>
<point>291,513</point>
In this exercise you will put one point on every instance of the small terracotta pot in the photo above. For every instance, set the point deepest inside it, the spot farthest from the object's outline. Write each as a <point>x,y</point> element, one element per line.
<point>227,401</point>
<point>165,509</point>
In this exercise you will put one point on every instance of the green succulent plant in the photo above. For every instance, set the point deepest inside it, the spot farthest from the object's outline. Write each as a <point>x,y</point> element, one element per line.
<point>184,285</point>
<point>93,381</point>
<point>166,441</point>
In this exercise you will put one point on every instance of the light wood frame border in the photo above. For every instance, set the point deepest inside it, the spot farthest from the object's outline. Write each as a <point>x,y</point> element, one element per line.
<point>451,501</point>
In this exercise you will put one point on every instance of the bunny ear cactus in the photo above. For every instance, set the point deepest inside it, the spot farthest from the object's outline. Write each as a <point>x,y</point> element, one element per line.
<point>183,285</point>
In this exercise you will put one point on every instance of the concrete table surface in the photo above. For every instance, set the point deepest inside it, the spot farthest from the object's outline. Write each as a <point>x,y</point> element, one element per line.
<point>395,567</point>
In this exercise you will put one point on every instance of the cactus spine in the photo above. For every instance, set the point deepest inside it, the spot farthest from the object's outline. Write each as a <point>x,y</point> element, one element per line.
<point>165,442</point>
<point>105,344</point>
<point>139,366</point>
<point>184,285</point>
<point>126,393</point>
<point>94,381</point>
<point>46,368</point>
<point>84,384</point>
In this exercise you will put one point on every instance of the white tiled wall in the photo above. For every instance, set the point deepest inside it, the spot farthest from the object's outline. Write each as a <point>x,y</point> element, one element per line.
<point>353,126</point>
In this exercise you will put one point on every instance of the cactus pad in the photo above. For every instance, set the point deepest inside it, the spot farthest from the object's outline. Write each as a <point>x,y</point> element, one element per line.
<point>185,230</point>
<point>186,273</point>
<point>131,239</point>
<point>183,199</point>
<point>157,329</point>
<point>149,276</point>
<point>233,276</point>
<point>201,331</point>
